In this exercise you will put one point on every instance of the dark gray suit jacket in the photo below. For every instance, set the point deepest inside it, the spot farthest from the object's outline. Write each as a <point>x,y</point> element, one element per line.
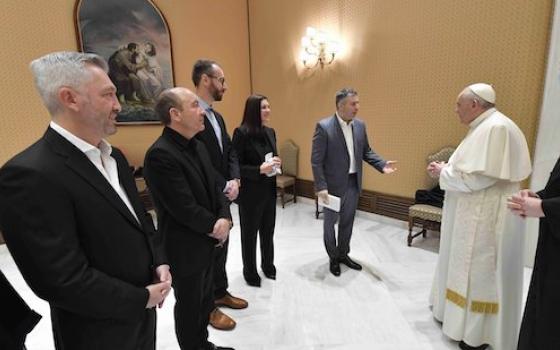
<point>329,155</point>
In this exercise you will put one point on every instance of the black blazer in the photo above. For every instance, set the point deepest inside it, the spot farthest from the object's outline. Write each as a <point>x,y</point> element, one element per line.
<point>538,328</point>
<point>187,198</point>
<point>76,243</point>
<point>226,162</point>
<point>251,155</point>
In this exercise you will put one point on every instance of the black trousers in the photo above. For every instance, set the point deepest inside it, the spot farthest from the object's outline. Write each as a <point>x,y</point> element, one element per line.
<point>257,216</point>
<point>220,275</point>
<point>195,301</point>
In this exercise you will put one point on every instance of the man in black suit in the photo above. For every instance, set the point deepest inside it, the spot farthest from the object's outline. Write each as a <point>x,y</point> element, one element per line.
<point>73,220</point>
<point>209,80</point>
<point>193,215</point>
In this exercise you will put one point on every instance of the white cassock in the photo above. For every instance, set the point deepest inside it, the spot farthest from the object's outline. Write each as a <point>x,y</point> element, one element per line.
<point>478,282</point>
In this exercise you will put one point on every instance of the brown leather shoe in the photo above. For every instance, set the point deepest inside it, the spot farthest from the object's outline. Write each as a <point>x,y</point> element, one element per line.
<point>231,302</point>
<point>221,321</point>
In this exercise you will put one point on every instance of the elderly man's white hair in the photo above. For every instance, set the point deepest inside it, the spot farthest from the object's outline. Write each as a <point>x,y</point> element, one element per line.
<point>58,69</point>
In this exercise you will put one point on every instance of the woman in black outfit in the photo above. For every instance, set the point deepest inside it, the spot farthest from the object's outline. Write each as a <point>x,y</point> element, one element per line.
<point>257,195</point>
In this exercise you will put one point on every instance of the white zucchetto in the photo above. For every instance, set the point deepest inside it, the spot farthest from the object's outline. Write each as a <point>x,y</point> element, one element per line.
<point>484,91</point>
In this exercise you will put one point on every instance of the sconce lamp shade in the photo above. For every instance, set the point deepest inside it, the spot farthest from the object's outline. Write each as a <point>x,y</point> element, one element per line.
<point>318,48</point>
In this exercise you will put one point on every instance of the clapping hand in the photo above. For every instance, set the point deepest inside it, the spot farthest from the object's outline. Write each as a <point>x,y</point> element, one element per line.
<point>435,168</point>
<point>526,204</point>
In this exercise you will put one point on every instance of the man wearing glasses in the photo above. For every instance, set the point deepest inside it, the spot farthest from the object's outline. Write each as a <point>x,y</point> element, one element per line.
<point>209,81</point>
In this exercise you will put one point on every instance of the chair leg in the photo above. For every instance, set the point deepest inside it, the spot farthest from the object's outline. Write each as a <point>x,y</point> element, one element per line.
<point>282,196</point>
<point>410,226</point>
<point>295,194</point>
<point>316,208</point>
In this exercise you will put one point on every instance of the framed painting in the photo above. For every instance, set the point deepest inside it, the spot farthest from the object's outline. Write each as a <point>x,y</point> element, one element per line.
<point>133,36</point>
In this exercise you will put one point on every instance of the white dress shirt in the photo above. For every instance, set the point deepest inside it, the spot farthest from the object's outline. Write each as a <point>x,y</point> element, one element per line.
<point>101,158</point>
<point>347,131</point>
<point>213,121</point>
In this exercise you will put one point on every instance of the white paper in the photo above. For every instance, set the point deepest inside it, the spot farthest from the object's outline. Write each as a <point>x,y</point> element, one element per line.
<point>275,170</point>
<point>334,203</point>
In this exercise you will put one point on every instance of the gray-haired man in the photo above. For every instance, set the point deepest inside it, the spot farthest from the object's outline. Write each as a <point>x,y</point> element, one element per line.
<point>73,220</point>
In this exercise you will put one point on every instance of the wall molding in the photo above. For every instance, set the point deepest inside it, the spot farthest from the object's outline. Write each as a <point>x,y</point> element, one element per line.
<point>370,201</point>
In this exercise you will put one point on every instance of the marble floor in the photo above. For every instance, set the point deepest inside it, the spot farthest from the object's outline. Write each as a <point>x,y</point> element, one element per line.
<point>382,307</point>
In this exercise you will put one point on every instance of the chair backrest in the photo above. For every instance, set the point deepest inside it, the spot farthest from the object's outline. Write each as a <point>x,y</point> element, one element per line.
<point>442,155</point>
<point>289,155</point>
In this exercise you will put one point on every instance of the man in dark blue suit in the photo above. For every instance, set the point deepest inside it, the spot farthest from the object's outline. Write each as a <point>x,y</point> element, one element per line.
<point>340,143</point>
<point>73,220</point>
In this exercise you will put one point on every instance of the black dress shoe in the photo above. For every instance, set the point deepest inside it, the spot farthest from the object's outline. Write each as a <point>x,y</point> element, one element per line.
<point>253,281</point>
<point>270,272</point>
<point>465,346</point>
<point>270,275</point>
<point>334,267</point>
<point>350,263</point>
<point>211,346</point>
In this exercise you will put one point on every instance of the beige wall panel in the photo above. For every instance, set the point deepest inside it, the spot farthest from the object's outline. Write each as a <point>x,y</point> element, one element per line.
<point>212,29</point>
<point>28,29</point>
<point>408,60</point>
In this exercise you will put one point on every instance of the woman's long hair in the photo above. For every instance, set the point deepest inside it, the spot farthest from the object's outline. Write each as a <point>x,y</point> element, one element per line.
<point>252,122</point>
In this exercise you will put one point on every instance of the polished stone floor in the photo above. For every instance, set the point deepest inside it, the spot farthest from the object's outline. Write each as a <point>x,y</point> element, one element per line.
<point>383,307</point>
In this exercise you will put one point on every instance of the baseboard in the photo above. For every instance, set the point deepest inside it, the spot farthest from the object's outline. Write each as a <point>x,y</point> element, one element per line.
<point>370,201</point>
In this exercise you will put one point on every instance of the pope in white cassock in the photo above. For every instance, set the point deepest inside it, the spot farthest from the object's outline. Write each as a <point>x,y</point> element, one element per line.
<point>478,281</point>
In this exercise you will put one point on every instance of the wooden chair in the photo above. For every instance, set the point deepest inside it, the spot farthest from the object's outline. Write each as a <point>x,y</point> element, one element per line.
<point>144,193</point>
<point>428,217</point>
<point>289,155</point>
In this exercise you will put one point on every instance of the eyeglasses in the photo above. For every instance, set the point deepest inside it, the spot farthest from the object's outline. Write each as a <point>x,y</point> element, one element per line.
<point>221,80</point>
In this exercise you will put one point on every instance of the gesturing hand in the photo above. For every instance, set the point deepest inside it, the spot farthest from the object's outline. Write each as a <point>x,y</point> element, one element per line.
<point>390,167</point>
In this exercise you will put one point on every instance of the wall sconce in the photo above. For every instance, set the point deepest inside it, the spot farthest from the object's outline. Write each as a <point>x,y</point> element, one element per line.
<point>317,48</point>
